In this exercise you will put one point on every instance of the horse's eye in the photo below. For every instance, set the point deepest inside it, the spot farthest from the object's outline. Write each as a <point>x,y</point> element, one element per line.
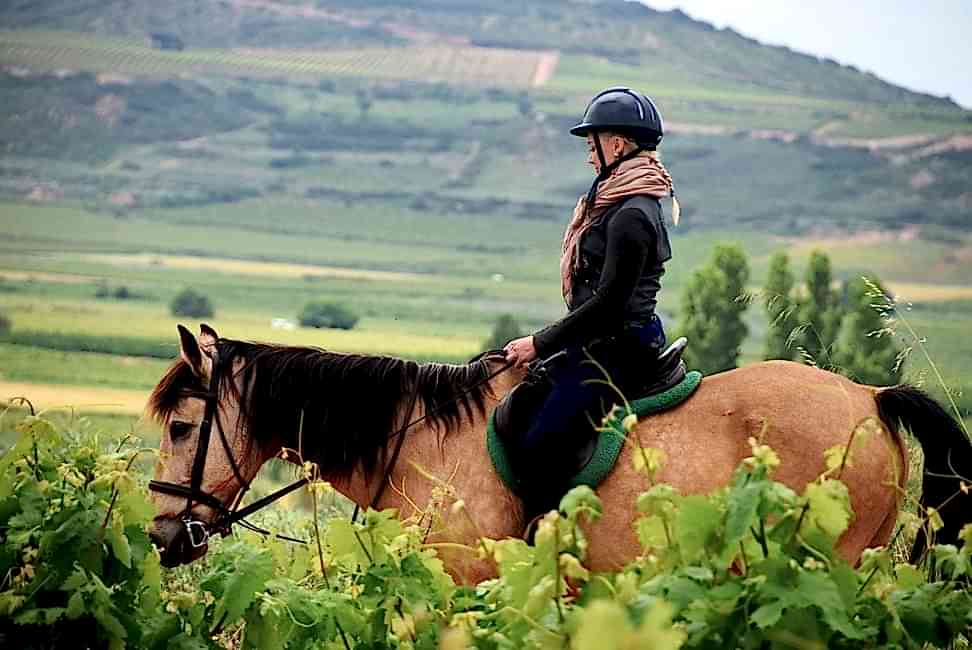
<point>179,430</point>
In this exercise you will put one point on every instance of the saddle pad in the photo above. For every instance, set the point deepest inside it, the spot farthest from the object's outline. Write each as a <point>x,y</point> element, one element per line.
<point>609,442</point>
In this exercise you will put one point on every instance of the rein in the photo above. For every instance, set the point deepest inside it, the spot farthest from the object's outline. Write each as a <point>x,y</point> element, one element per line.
<point>198,531</point>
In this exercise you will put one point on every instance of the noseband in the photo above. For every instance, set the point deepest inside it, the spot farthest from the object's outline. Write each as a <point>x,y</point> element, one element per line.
<point>198,531</point>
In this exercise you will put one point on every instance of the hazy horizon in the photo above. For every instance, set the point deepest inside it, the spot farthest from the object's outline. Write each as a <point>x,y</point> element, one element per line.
<point>923,47</point>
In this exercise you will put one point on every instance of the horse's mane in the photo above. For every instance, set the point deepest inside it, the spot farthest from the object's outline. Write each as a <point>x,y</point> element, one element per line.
<point>350,403</point>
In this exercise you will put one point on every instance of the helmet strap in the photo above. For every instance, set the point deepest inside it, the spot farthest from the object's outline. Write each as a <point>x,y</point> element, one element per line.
<point>607,169</point>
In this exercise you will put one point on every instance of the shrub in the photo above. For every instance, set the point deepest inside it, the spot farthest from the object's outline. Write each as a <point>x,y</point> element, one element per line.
<point>327,314</point>
<point>4,324</point>
<point>119,293</point>
<point>505,330</point>
<point>192,304</point>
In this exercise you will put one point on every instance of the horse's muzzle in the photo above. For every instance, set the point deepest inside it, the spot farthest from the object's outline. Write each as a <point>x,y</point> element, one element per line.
<point>177,542</point>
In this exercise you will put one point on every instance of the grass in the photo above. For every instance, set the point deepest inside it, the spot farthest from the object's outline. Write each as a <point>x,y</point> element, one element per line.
<point>24,363</point>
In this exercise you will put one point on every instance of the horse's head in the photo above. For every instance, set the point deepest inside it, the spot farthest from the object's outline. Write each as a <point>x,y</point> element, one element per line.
<point>206,455</point>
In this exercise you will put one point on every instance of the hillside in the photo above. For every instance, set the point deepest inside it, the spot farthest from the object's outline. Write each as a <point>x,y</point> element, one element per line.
<point>453,105</point>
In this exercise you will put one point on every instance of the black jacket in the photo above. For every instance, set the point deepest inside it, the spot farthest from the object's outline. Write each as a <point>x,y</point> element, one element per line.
<point>621,263</point>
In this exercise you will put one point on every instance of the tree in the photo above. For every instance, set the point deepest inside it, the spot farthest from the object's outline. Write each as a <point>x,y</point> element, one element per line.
<point>365,99</point>
<point>865,350</point>
<point>327,314</point>
<point>192,304</point>
<point>713,303</point>
<point>778,301</point>
<point>819,312</point>
<point>4,324</point>
<point>505,330</point>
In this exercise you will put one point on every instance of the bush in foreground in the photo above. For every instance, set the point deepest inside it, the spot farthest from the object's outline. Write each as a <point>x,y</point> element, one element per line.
<point>752,565</point>
<point>327,314</point>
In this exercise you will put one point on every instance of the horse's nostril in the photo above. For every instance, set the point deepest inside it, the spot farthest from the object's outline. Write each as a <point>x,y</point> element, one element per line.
<point>157,540</point>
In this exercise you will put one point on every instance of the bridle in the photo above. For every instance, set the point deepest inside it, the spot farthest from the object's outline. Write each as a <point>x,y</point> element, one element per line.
<point>198,531</point>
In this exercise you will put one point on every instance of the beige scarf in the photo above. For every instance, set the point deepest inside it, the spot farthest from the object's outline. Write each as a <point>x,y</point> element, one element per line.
<point>643,174</point>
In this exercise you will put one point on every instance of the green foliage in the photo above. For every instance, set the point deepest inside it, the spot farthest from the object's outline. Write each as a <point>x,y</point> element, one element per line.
<point>191,304</point>
<point>864,349</point>
<point>77,560</point>
<point>778,301</point>
<point>327,314</point>
<point>819,311</point>
<point>505,330</point>
<point>751,565</point>
<point>121,292</point>
<point>4,325</point>
<point>70,342</point>
<point>713,303</point>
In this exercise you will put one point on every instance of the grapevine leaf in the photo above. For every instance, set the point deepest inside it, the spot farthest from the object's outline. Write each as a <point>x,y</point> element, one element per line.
<point>651,533</point>
<point>249,576</point>
<point>151,582</point>
<point>697,526</point>
<point>110,623</point>
<point>829,507</point>
<point>40,616</point>
<point>540,597</point>
<point>115,534</point>
<point>847,583</point>
<point>741,511</point>
<point>603,624</point>
<point>581,500</point>
<point>909,577</point>
<point>818,589</point>
<point>135,506</point>
<point>75,606</point>
<point>769,614</point>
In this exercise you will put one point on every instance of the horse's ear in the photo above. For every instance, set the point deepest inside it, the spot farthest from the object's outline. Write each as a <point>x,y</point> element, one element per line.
<point>207,339</point>
<point>191,354</point>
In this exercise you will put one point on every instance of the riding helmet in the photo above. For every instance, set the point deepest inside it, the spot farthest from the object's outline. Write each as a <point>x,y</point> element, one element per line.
<point>624,111</point>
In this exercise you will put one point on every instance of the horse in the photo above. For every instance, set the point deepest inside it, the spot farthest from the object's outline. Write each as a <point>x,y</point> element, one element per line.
<point>340,410</point>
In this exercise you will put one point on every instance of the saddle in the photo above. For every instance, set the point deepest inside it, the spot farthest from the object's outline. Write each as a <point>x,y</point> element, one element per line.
<point>513,416</point>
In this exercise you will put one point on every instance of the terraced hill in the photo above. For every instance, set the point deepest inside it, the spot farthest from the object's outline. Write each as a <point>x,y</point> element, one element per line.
<point>456,105</point>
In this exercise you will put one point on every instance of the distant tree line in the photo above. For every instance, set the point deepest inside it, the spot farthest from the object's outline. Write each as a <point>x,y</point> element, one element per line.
<point>843,327</point>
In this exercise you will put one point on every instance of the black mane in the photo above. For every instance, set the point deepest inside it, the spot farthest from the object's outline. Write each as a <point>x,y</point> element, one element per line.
<point>350,403</point>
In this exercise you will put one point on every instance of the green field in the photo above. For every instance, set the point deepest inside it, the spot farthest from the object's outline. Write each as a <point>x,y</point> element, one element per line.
<point>423,296</point>
<point>425,186</point>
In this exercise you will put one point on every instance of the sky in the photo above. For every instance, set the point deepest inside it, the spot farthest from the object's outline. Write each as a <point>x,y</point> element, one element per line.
<point>923,45</point>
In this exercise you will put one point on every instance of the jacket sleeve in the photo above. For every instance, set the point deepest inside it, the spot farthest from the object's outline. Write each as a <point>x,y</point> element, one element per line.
<point>630,237</point>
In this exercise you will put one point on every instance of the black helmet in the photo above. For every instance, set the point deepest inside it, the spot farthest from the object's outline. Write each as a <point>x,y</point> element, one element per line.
<point>624,111</point>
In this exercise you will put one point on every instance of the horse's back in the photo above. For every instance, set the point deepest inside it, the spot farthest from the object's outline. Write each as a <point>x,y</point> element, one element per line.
<point>798,410</point>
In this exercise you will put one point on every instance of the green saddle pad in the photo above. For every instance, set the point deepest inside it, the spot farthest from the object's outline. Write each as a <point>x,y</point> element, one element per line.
<point>609,442</point>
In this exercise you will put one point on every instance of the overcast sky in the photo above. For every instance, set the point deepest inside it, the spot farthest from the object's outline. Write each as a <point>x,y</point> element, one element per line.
<point>923,45</point>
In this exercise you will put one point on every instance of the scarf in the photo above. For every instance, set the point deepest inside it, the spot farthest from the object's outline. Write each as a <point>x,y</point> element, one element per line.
<point>643,174</point>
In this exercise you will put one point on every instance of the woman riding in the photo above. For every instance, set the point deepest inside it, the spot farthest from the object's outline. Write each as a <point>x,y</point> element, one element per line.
<point>614,252</point>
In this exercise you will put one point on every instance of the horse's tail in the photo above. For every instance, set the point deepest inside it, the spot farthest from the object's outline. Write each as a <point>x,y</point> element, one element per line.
<point>948,458</point>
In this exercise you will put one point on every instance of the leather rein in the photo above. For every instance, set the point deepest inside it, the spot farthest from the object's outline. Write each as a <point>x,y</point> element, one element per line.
<point>199,531</point>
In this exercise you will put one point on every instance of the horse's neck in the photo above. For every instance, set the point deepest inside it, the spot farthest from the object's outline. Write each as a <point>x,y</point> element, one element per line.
<point>423,445</point>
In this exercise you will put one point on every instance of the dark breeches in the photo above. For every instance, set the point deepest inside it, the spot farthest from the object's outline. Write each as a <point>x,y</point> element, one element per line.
<point>579,398</point>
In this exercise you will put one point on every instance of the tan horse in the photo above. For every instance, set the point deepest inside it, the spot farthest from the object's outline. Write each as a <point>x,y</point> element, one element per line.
<point>349,404</point>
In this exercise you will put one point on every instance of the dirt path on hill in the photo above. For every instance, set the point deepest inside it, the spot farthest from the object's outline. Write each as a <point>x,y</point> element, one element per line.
<point>545,69</point>
<point>82,398</point>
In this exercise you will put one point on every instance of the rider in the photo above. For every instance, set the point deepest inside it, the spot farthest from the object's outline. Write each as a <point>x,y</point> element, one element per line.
<point>614,252</point>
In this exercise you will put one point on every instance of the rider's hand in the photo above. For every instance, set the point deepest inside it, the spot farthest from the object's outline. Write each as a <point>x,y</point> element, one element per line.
<point>521,351</point>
